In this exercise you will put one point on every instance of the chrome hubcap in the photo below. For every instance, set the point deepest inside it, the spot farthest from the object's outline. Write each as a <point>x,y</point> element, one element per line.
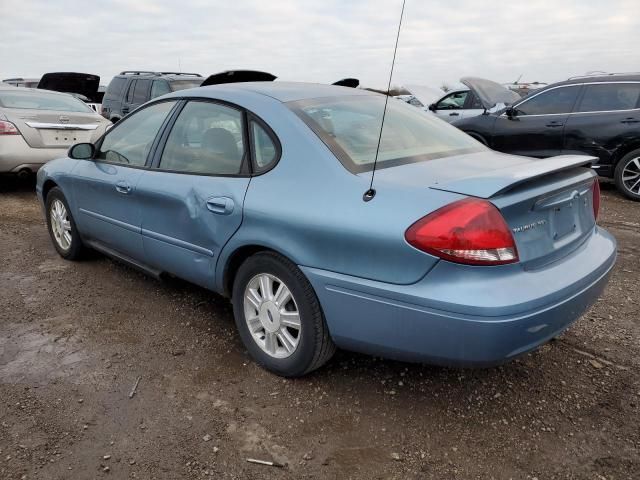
<point>60,224</point>
<point>631,176</point>
<point>272,315</point>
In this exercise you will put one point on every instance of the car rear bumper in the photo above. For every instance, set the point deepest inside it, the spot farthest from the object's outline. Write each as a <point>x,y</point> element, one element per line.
<point>16,154</point>
<point>465,316</point>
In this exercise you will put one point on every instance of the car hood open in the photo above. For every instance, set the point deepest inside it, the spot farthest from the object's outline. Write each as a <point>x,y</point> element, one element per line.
<point>348,82</point>
<point>426,95</point>
<point>238,76</point>
<point>489,92</point>
<point>71,82</point>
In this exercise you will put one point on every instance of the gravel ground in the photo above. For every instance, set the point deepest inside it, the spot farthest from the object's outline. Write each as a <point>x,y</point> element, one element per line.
<point>76,337</point>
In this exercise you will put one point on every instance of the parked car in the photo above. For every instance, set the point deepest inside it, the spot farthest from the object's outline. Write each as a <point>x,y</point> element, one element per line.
<point>255,191</point>
<point>592,115</point>
<point>22,82</point>
<point>461,102</point>
<point>37,126</point>
<point>131,88</point>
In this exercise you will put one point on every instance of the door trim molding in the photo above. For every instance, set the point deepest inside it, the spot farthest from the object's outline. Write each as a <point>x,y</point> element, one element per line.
<point>176,242</point>
<point>112,221</point>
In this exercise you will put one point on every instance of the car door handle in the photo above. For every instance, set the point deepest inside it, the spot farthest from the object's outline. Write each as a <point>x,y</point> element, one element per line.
<point>220,205</point>
<point>123,187</point>
<point>630,120</point>
<point>554,124</point>
<point>454,114</point>
<point>125,110</point>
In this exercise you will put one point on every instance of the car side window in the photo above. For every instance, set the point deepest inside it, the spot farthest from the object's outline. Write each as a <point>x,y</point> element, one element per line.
<point>264,148</point>
<point>140,92</point>
<point>453,101</point>
<point>602,97</point>
<point>159,87</point>
<point>132,87</point>
<point>557,100</point>
<point>206,138</point>
<point>129,142</point>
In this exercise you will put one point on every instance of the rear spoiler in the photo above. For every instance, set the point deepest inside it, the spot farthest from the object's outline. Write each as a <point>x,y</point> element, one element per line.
<point>495,182</point>
<point>238,76</point>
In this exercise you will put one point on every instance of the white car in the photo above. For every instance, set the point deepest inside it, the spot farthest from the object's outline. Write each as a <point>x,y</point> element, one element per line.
<point>462,102</point>
<point>39,125</point>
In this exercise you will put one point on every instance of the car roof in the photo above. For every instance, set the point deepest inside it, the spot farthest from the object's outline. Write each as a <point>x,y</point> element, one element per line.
<point>281,91</point>
<point>171,76</point>
<point>627,77</point>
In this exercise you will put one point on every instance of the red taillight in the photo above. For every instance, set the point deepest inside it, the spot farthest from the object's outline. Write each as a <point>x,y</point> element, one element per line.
<point>596,198</point>
<point>469,231</point>
<point>8,128</point>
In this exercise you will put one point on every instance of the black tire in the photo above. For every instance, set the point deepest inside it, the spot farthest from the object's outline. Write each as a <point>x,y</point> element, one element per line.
<point>76,247</point>
<point>315,346</point>
<point>625,162</point>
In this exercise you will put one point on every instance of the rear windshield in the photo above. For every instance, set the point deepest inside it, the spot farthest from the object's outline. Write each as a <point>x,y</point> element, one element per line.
<point>350,127</point>
<point>184,84</point>
<point>30,100</point>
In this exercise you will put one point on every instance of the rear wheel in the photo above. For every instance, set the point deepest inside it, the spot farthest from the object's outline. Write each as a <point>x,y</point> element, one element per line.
<point>627,175</point>
<point>62,227</point>
<point>279,317</point>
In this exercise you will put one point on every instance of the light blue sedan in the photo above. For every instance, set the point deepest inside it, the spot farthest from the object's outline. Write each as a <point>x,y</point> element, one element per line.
<point>463,256</point>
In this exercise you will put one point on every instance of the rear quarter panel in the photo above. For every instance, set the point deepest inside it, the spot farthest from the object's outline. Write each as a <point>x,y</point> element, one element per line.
<point>310,209</point>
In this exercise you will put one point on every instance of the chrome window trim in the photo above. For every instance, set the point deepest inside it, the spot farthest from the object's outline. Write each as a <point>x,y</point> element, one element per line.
<point>572,113</point>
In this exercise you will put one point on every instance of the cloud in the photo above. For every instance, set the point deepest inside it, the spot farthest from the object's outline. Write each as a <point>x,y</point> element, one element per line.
<point>323,41</point>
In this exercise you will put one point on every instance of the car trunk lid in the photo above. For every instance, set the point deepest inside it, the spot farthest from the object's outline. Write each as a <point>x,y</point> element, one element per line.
<point>547,204</point>
<point>71,82</point>
<point>53,129</point>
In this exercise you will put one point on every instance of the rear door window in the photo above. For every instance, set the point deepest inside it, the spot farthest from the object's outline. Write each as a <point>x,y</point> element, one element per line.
<point>603,97</point>
<point>140,94</point>
<point>132,87</point>
<point>207,138</point>
<point>557,100</point>
<point>129,142</point>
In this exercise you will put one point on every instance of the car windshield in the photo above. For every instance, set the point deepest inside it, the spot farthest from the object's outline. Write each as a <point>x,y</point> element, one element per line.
<point>184,84</point>
<point>350,127</point>
<point>30,100</point>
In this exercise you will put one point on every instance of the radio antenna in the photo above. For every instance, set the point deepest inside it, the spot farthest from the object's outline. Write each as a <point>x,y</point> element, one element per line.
<point>369,194</point>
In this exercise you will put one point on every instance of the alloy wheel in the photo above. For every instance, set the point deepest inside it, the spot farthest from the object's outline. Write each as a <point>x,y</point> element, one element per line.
<point>272,315</point>
<point>631,176</point>
<point>60,224</point>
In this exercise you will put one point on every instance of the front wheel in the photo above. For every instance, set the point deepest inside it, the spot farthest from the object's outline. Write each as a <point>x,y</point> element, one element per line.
<point>279,317</point>
<point>62,227</point>
<point>627,175</point>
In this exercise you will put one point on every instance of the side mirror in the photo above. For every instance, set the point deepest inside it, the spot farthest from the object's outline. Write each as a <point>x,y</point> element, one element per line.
<point>432,107</point>
<point>82,151</point>
<point>511,112</point>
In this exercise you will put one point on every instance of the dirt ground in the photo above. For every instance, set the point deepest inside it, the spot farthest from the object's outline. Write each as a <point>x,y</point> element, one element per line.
<point>75,337</point>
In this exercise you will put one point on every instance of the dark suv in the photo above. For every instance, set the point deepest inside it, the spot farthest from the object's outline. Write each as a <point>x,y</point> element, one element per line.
<point>592,115</point>
<point>130,89</point>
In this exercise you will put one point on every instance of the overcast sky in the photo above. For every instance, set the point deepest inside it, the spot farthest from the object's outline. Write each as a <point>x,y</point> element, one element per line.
<point>311,40</point>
